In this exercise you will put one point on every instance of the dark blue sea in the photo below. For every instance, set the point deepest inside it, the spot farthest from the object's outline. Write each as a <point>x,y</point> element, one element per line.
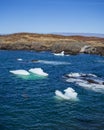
<point>30,103</point>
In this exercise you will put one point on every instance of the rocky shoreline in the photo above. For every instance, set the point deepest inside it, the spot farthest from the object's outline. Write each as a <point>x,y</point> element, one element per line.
<point>50,42</point>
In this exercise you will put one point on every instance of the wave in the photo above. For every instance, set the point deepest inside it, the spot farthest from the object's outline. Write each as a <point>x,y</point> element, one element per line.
<point>89,81</point>
<point>69,94</point>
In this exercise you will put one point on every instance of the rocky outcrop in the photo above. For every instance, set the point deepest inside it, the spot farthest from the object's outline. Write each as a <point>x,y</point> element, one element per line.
<point>88,49</point>
<point>54,43</point>
<point>92,50</point>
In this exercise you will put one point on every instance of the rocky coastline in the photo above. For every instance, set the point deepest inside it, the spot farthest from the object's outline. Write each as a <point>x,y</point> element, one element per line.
<point>51,42</point>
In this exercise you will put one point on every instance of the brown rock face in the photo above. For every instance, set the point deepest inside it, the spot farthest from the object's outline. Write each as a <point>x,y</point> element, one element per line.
<point>50,42</point>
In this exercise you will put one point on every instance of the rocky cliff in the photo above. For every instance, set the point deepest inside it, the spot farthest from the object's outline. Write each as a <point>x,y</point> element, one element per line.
<point>54,43</point>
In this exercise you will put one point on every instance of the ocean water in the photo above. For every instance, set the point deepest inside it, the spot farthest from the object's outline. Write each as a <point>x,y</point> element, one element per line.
<point>30,103</point>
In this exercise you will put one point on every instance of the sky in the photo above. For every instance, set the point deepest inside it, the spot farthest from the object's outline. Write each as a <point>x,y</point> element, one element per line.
<point>52,16</point>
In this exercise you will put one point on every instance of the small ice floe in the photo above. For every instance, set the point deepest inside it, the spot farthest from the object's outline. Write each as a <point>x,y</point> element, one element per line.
<point>59,54</point>
<point>20,72</point>
<point>38,71</point>
<point>69,94</point>
<point>19,59</point>
<point>89,81</point>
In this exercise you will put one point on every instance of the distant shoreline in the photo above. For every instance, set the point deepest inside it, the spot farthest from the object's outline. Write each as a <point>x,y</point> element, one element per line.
<point>52,42</point>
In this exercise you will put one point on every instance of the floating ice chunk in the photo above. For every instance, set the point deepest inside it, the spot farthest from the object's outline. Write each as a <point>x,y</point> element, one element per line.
<point>69,92</point>
<point>61,95</point>
<point>94,87</point>
<point>20,72</point>
<point>92,75</point>
<point>59,54</point>
<point>74,75</point>
<point>19,59</point>
<point>88,81</point>
<point>38,71</point>
<point>68,95</point>
<point>72,80</point>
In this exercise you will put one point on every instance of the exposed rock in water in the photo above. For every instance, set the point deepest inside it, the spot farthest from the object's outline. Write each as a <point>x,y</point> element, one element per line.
<point>35,60</point>
<point>92,81</point>
<point>54,43</point>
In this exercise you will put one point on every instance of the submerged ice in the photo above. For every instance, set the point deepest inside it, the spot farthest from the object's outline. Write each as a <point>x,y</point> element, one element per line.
<point>89,81</point>
<point>53,62</point>
<point>69,94</point>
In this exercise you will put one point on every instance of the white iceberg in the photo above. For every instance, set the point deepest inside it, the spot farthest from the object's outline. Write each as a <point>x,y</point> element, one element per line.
<point>20,72</point>
<point>59,54</point>
<point>38,71</point>
<point>68,95</point>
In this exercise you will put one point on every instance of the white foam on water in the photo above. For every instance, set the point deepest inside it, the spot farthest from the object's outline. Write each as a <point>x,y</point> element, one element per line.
<point>53,62</point>
<point>38,71</point>
<point>20,72</point>
<point>69,94</point>
<point>59,54</point>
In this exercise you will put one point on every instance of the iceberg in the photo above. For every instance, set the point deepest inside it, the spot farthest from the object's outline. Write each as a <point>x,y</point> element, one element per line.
<point>69,94</point>
<point>20,72</point>
<point>38,71</point>
<point>59,54</point>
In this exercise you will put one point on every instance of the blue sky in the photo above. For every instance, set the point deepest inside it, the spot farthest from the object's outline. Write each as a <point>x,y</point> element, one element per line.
<point>48,16</point>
